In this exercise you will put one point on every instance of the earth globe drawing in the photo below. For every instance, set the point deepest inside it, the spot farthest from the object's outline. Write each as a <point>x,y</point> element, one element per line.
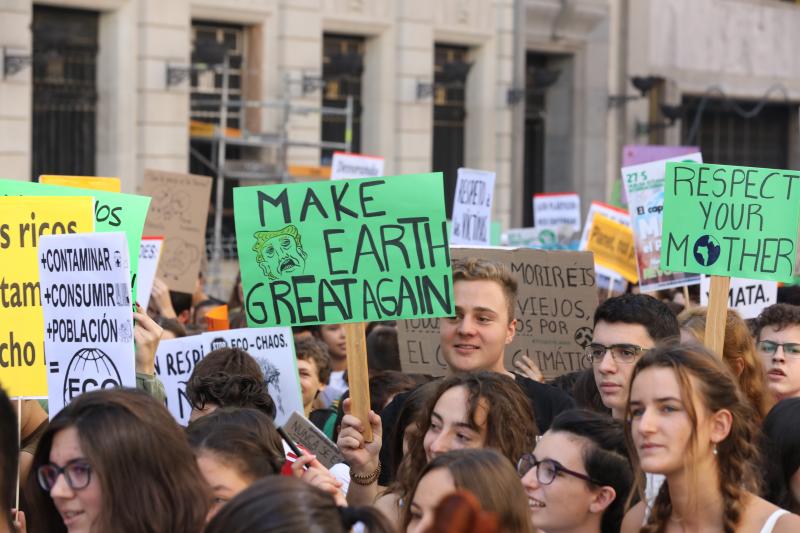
<point>706,250</point>
<point>89,369</point>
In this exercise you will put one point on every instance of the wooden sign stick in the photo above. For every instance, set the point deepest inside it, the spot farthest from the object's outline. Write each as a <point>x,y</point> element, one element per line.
<point>358,374</point>
<point>717,313</point>
<point>687,303</point>
<point>610,288</point>
<point>19,446</point>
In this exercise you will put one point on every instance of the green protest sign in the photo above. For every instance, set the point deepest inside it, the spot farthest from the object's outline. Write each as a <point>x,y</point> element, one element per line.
<point>113,211</point>
<point>344,251</point>
<point>730,221</point>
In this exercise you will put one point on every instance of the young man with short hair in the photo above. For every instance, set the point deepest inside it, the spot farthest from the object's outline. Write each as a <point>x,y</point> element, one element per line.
<point>475,338</point>
<point>624,328</point>
<point>778,343</point>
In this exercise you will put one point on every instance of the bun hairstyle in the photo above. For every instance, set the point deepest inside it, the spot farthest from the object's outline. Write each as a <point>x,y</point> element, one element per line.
<point>605,457</point>
<point>716,389</point>
<point>280,503</point>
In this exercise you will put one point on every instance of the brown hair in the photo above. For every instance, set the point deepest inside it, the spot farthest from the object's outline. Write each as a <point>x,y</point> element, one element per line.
<point>312,349</point>
<point>491,478</point>
<point>779,316</point>
<point>147,472</point>
<point>737,455</point>
<point>475,269</point>
<point>510,425</point>
<point>738,344</point>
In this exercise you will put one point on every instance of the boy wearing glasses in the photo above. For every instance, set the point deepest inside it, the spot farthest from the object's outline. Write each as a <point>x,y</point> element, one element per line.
<point>778,343</point>
<point>625,327</point>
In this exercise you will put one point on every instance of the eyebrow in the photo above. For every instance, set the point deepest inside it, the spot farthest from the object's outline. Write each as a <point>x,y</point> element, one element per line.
<point>457,424</point>
<point>659,400</point>
<point>478,309</point>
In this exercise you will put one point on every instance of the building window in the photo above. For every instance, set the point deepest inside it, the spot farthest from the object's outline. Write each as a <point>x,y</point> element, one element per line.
<point>342,67</point>
<point>65,45</point>
<point>727,138</point>
<point>450,71</point>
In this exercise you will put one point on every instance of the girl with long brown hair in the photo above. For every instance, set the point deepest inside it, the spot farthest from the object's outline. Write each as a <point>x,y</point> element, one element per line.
<point>474,410</point>
<point>688,420</point>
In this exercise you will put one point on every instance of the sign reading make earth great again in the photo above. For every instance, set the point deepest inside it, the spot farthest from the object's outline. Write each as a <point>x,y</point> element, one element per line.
<point>731,221</point>
<point>344,251</point>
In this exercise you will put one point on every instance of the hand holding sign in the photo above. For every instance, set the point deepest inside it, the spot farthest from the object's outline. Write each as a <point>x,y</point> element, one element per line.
<point>360,454</point>
<point>146,334</point>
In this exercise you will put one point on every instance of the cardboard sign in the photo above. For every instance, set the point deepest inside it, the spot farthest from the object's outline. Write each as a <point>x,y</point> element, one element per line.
<point>24,222</point>
<point>175,361</point>
<point>83,182</point>
<point>149,253</point>
<point>347,166</point>
<point>343,251</point>
<point>179,213</point>
<point>556,300</point>
<point>612,245</point>
<point>86,301</point>
<point>551,210</point>
<point>731,221</point>
<point>472,207</point>
<point>304,432</point>
<point>112,211</point>
<point>645,188</point>
<point>748,296</point>
<point>561,238</point>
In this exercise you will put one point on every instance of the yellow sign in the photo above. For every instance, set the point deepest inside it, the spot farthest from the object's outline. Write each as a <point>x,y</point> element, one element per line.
<point>612,244</point>
<point>83,182</point>
<point>24,220</point>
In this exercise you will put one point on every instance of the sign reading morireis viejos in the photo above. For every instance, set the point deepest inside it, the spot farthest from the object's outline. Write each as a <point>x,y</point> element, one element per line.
<point>344,251</point>
<point>731,221</point>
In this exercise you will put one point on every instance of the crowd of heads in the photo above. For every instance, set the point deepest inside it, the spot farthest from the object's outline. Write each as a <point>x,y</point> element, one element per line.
<point>654,431</point>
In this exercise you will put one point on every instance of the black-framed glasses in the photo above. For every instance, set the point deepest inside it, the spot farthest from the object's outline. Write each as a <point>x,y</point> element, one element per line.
<point>790,349</point>
<point>547,469</point>
<point>620,353</point>
<point>77,473</point>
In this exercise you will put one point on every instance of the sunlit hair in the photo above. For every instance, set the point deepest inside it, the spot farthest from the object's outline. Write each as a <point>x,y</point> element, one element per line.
<point>510,425</point>
<point>475,269</point>
<point>702,375</point>
<point>491,478</point>
<point>739,345</point>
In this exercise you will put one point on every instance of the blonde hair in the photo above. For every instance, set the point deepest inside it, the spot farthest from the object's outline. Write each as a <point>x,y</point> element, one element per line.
<point>739,344</point>
<point>475,269</point>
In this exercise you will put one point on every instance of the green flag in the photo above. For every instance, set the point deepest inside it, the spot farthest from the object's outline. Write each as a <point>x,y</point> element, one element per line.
<point>344,251</point>
<point>730,221</point>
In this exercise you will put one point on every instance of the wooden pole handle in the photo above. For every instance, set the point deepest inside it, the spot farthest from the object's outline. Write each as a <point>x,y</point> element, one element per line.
<point>717,314</point>
<point>358,375</point>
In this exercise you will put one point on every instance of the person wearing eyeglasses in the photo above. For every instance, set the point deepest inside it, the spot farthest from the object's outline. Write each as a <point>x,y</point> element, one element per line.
<point>116,460</point>
<point>578,477</point>
<point>778,343</point>
<point>624,328</point>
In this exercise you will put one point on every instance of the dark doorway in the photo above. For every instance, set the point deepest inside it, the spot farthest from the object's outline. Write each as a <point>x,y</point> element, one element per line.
<point>64,130</point>
<point>450,71</point>
<point>342,67</point>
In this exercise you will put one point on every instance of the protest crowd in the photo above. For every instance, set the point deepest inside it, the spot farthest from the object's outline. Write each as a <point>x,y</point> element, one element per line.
<point>375,369</point>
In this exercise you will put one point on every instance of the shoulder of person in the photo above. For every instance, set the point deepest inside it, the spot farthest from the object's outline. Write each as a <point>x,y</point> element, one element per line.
<point>634,518</point>
<point>758,511</point>
<point>787,523</point>
<point>534,389</point>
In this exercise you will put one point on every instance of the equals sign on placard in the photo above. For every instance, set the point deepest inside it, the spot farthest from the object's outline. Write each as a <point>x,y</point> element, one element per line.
<point>54,367</point>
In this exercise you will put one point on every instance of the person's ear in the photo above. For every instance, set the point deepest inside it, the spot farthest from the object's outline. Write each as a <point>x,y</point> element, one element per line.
<point>603,497</point>
<point>720,425</point>
<point>737,365</point>
<point>511,331</point>
<point>185,316</point>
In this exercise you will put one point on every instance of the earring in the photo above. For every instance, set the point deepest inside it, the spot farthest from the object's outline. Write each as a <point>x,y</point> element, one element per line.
<point>715,449</point>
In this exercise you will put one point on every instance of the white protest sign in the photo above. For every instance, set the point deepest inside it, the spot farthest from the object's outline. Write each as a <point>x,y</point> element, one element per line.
<point>349,166</point>
<point>748,296</point>
<point>175,361</point>
<point>551,210</point>
<point>472,207</point>
<point>605,275</point>
<point>273,349</point>
<point>149,252</point>
<point>85,285</point>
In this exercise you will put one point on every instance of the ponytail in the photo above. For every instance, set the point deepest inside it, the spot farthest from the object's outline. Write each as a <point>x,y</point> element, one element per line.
<point>369,516</point>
